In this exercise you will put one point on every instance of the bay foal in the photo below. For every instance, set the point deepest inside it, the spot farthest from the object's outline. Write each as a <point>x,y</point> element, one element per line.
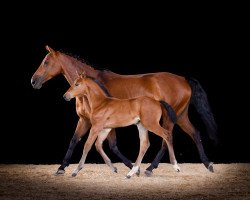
<point>107,113</point>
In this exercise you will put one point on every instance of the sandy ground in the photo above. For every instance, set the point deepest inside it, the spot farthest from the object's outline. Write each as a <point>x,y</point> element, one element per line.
<point>96,181</point>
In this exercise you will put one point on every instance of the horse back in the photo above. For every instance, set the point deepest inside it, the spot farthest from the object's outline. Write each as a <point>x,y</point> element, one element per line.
<point>164,86</point>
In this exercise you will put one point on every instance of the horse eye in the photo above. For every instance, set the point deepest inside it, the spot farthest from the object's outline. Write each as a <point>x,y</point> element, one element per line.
<point>46,63</point>
<point>76,84</point>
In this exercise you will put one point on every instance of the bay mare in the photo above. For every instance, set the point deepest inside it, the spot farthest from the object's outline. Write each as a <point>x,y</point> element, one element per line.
<point>178,91</point>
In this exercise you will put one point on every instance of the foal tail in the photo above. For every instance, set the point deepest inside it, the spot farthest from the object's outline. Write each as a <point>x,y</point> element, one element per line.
<point>170,110</point>
<point>200,101</point>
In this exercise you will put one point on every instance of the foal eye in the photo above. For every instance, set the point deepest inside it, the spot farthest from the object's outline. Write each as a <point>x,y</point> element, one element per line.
<point>76,84</point>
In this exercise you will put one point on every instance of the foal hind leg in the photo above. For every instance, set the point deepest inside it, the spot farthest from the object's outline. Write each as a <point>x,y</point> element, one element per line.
<point>168,125</point>
<point>101,137</point>
<point>87,146</point>
<point>186,125</point>
<point>144,144</point>
<point>82,127</point>
<point>112,145</point>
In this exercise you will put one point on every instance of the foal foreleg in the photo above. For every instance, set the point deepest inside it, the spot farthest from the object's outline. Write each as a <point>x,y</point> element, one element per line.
<point>112,145</point>
<point>82,127</point>
<point>144,144</point>
<point>101,137</point>
<point>87,146</point>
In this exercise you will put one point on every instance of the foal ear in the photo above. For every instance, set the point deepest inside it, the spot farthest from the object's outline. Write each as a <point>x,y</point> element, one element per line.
<point>83,75</point>
<point>49,49</point>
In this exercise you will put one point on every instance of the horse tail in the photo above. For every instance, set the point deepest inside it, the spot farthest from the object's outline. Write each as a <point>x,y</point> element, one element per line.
<point>170,110</point>
<point>200,101</point>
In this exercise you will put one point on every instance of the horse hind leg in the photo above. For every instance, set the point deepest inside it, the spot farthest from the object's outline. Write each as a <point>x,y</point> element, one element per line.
<point>188,128</point>
<point>113,146</point>
<point>101,137</point>
<point>144,144</point>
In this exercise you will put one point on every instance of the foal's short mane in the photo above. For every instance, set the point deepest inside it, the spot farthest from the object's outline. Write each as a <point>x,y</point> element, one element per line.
<point>101,85</point>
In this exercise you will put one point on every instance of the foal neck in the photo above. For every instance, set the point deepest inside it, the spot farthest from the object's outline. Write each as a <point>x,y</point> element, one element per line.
<point>95,95</point>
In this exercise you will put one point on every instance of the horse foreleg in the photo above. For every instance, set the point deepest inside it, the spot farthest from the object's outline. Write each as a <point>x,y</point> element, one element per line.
<point>101,137</point>
<point>87,146</point>
<point>82,127</point>
<point>112,145</point>
<point>144,144</point>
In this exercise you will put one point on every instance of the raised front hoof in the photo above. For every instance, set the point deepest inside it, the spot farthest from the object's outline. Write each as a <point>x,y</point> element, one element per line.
<point>74,174</point>
<point>138,173</point>
<point>148,173</point>
<point>128,177</point>
<point>210,167</point>
<point>59,172</point>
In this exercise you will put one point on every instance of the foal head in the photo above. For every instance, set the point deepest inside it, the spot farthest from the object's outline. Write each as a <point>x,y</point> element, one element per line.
<point>79,89</point>
<point>49,68</point>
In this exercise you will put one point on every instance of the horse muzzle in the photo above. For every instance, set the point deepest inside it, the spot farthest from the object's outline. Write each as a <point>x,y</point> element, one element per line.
<point>36,82</point>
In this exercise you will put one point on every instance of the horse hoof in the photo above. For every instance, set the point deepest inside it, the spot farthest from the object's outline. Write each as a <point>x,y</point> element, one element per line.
<point>128,177</point>
<point>59,172</point>
<point>115,170</point>
<point>138,173</point>
<point>148,173</point>
<point>74,174</point>
<point>210,167</point>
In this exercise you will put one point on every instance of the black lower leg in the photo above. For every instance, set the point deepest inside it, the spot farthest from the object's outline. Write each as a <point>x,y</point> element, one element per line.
<point>200,148</point>
<point>114,148</point>
<point>158,157</point>
<point>70,150</point>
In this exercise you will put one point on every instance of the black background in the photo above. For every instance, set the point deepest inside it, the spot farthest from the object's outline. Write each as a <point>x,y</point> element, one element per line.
<point>208,44</point>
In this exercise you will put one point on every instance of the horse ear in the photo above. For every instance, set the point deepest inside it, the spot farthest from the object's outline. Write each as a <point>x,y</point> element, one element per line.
<point>49,49</point>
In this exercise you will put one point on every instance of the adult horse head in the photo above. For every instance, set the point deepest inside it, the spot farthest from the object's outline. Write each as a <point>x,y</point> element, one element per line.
<point>49,68</point>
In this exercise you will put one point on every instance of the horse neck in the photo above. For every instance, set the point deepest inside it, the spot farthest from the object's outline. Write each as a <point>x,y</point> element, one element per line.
<point>95,95</point>
<point>71,68</point>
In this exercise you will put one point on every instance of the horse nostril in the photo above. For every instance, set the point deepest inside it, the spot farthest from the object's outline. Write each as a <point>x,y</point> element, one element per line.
<point>33,82</point>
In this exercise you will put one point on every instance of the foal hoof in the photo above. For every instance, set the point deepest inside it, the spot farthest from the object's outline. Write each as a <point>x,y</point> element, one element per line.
<point>178,170</point>
<point>59,172</point>
<point>128,177</point>
<point>74,174</point>
<point>138,172</point>
<point>148,173</point>
<point>210,167</point>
